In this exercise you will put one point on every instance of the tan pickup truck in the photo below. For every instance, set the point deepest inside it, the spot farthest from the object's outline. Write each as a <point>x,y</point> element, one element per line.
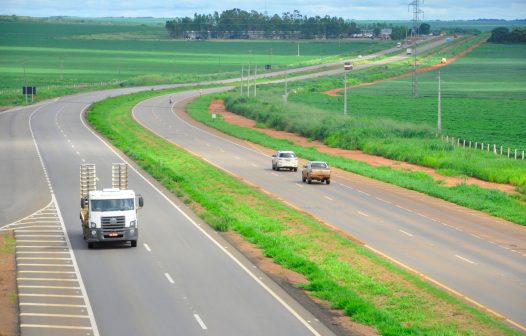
<point>316,171</point>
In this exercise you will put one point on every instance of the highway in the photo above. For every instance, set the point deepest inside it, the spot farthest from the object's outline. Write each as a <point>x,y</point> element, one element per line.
<point>182,278</point>
<point>473,254</point>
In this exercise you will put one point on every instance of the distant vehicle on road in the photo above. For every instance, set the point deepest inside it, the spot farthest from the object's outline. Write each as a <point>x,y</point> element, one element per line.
<point>316,171</point>
<point>399,45</point>
<point>285,159</point>
<point>409,51</point>
<point>348,66</point>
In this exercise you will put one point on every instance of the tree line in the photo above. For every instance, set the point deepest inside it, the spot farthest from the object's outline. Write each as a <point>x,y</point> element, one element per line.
<point>504,35</point>
<point>240,24</point>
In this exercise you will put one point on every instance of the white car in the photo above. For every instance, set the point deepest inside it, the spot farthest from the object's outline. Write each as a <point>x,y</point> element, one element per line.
<point>285,159</point>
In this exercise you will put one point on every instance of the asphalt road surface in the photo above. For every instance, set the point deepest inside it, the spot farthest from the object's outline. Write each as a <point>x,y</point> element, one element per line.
<point>182,278</point>
<point>478,256</point>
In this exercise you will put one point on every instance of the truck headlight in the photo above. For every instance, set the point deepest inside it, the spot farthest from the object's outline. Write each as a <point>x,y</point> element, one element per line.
<point>92,225</point>
<point>94,233</point>
<point>133,223</point>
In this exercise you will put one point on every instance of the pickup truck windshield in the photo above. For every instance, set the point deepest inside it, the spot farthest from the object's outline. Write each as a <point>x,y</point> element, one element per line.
<point>112,205</point>
<point>287,155</point>
<point>318,165</point>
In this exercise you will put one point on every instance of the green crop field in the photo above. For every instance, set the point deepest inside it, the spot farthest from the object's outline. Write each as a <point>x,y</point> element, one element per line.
<point>50,53</point>
<point>483,97</point>
<point>483,100</point>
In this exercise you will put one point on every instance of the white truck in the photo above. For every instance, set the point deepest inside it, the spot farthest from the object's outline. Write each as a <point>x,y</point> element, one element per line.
<point>108,215</point>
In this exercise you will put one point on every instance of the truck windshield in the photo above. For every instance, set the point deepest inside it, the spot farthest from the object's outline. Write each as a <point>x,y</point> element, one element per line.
<point>112,205</point>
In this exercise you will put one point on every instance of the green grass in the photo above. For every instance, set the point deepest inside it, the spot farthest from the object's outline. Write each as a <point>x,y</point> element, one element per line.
<point>493,202</point>
<point>65,54</point>
<point>369,289</point>
<point>8,245</point>
<point>483,101</point>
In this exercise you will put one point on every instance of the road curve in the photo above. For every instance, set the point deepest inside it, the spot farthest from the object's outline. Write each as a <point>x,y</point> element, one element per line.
<point>473,254</point>
<point>182,279</point>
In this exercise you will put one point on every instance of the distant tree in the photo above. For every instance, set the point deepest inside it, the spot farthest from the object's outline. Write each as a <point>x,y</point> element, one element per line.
<point>398,33</point>
<point>424,29</point>
<point>518,35</point>
<point>239,24</point>
<point>499,35</point>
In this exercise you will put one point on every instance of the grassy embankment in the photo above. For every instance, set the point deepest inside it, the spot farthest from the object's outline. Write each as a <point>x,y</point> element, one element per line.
<point>56,56</point>
<point>367,288</point>
<point>8,294</point>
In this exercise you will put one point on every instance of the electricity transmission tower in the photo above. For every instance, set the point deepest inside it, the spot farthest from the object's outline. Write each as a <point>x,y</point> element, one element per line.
<point>414,33</point>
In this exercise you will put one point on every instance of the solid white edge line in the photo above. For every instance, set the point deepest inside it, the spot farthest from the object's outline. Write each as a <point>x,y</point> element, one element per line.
<point>451,290</point>
<point>200,321</point>
<point>147,247</point>
<point>255,278</point>
<point>363,214</point>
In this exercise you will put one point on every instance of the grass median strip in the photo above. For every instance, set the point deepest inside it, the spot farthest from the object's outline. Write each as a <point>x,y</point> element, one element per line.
<point>369,289</point>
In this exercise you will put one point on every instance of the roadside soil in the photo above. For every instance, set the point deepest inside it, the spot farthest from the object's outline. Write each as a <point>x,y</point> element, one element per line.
<point>335,92</point>
<point>8,304</point>
<point>218,107</point>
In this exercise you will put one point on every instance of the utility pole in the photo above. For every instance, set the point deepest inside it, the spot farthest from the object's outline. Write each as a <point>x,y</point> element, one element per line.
<point>25,79</point>
<point>439,116</point>
<point>414,30</point>
<point>255,76</point>
<point>345,93</point>
<point>248,81</point>
<point>286,96</point>
<point>241,83</point>
<point>298,48</point>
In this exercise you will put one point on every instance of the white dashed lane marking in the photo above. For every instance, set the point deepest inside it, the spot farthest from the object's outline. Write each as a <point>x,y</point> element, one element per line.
<point>465,259</point>
<point>406,233</point>
<point>169,278</point>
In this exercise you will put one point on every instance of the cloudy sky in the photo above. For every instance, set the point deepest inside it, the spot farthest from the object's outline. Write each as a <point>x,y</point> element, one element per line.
<point>350,9</point>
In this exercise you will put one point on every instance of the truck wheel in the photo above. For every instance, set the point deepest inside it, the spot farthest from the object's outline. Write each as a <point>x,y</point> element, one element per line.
<point>133,243</point>
<point>273,167</point>
<point>295,169</point>
<point>303,179</point>
<point>91,245</point>
<point>328,181</point>
<point>309,180</point>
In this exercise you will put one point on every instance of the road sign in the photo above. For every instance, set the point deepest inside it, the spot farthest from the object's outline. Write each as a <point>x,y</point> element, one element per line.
<point>30,90</point>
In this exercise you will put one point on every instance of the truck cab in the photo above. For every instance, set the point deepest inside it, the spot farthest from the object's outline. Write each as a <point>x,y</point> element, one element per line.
<point>108,215</point>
